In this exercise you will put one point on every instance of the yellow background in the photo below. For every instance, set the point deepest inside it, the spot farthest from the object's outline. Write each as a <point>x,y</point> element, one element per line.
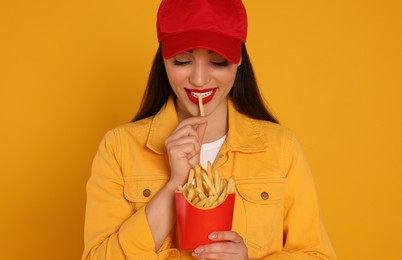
<point>71,70</point>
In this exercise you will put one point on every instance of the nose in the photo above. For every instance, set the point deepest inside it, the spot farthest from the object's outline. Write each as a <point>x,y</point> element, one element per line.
<point>199,75</point>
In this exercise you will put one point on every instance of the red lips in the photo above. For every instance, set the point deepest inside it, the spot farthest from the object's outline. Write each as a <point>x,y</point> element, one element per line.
<point>200,91</point>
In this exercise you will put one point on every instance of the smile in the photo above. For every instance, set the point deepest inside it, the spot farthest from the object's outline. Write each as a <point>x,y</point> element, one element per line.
<point>203,95</point>
<point>206,94</point>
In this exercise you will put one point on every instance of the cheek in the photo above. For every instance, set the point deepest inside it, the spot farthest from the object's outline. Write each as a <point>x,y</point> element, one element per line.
<point>176,76</point>
<point>226,77</point>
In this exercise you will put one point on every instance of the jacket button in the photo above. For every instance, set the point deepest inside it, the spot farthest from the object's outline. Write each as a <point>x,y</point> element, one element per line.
<point>146,193</point>
<point>221,156</point>
<point>264,195</point>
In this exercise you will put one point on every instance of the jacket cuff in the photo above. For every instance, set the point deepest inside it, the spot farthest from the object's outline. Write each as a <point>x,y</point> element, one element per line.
<point>135,237</point>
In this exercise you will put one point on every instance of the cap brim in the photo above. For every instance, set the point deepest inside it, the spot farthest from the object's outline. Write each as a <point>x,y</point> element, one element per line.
<point>228,47</point>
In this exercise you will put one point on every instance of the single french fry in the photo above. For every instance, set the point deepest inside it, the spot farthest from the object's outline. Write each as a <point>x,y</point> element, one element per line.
<point>197,168</point>
<point>223,195</point>
<point>191,194</point>
<point>190,176</point>
<point>201,106</point>
<point>207,191</point>
<point>209,183</point>
<point>217,182</point>
<point>224,183</point>
<point>180,188</point>
<point>198,177</point>
<point>209,170</point>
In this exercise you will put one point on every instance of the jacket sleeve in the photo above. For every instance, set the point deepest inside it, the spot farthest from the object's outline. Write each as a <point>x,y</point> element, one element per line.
<point>112,229</point>
<point>304,234</point>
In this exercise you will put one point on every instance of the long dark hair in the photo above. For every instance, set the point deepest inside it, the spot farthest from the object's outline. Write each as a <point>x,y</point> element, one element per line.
<point>244,93</point>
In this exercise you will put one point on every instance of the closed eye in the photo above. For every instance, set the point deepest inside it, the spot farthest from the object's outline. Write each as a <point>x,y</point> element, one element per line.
<point>180,63</point>
<point>221,63</point>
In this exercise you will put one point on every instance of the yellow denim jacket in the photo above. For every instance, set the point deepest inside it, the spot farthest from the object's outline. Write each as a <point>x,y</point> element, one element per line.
<point>131,166</point>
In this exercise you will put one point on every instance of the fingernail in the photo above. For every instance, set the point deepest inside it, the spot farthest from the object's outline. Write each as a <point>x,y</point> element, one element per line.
<point>198,250</point>
<point>213,236</point>
<point>195,254</point>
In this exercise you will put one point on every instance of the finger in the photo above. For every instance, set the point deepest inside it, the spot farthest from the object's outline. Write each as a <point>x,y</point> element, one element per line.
<point>218,247</point>
<point>183,140</point>
<point>185,150</point>
<point>226,236</point>
<point>200,131</point>
<point>183,131</point>
<point>194,160</point>
<point>219,250</point>
<point>222,250</point>
<point>192,121</point>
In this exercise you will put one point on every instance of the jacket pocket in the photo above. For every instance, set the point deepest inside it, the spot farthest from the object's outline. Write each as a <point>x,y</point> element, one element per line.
<point>139,190</point>
<point>262,201</point>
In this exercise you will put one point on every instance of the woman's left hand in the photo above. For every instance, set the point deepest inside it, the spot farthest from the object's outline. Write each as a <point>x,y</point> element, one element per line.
<point>229,245</point>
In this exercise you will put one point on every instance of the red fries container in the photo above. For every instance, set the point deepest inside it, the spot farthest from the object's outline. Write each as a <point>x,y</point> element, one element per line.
<point>194,224</point>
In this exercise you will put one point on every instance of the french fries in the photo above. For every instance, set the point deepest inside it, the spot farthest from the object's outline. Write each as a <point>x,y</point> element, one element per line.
<point>201,106</point>
<point>206,189</point>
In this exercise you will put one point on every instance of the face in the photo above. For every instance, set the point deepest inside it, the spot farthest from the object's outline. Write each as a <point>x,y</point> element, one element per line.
<point>200,72</point>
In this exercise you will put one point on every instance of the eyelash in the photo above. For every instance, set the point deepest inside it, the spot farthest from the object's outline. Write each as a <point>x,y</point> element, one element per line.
<point>180,63</point>
<point>218,64</point>
<point>221,64</point>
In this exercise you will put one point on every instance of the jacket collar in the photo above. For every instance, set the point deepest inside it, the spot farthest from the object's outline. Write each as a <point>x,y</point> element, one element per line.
<point>162,125</point>
<point>244,133</point>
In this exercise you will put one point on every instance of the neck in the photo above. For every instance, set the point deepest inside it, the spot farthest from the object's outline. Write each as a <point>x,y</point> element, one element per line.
<point>217,124</point>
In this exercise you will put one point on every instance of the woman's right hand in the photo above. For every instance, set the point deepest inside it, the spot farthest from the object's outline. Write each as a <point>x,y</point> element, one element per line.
<point>183,147</point>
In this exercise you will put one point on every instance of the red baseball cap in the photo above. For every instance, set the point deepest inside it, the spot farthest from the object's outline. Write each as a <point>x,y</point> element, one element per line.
<point>216,25</point>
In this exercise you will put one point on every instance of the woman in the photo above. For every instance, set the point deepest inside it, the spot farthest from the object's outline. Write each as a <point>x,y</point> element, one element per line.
<point>139,166</point>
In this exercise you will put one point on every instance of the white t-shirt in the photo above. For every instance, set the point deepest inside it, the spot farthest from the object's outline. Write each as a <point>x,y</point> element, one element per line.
<point>210,150</point>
